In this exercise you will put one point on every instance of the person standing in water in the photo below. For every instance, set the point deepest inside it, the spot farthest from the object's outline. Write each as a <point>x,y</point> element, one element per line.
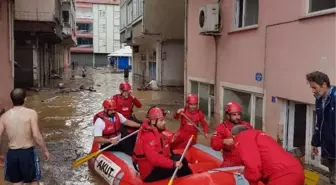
<point>21,126</point>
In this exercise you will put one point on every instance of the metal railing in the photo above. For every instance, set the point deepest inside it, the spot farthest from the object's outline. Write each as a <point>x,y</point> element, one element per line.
<point>35,16</point>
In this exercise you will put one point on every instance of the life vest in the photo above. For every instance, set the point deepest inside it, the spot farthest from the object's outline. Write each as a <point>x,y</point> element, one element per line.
<point>124,106</point>
<point>112,129</point>
<point>139,153</point>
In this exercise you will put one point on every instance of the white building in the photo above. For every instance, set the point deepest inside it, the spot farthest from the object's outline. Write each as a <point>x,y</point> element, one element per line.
<point>155,30</point>
<point>97,32</point>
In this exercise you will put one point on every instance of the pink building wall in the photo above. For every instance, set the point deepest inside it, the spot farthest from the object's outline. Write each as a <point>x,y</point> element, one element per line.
<point>284,46</point>
<point>6,78</point>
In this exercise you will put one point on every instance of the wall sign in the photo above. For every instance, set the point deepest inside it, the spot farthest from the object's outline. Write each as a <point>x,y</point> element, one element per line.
<point>258,77</point>
<point>273,99</point>
<point>106,168</point>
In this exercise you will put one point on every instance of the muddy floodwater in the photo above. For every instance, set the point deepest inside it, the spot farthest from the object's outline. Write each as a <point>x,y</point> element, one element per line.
<point>66,122</point>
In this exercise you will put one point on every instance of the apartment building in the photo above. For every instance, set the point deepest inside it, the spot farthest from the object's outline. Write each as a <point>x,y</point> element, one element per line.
<point>44,33</point>
<point>97,31</point>
<point>155,30</point>
<point>257,53</point>
<point>6,52</point>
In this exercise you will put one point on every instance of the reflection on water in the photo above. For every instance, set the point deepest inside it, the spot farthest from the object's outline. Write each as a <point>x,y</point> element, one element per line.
<point>66,123</point>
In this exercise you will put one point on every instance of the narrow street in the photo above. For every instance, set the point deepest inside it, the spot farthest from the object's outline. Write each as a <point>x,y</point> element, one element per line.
<point>66,121</point>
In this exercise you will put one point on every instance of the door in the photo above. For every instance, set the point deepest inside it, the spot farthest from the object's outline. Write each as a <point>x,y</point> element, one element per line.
<point>152,70</point>
<point>298,125</point>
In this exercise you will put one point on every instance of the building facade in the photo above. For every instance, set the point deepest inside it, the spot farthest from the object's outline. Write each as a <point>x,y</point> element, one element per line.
<point>6,52</point>
<point>97,32</point>
<point>259,59</point>
<point>155,30</point>
<point>44,33</point>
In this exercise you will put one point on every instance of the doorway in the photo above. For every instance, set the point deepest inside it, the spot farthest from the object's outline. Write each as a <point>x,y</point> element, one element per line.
<point>295,123</point>
<point>298,121</point>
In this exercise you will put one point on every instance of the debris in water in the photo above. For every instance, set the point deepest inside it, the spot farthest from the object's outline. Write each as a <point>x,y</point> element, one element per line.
<point>50,99</point>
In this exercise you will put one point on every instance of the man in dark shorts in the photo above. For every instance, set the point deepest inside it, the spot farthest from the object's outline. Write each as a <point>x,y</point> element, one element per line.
<point>20,124</point>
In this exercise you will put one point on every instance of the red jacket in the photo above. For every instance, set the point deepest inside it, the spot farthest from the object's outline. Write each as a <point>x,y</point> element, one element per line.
<point>151,150</point>
<point>264,159</point>
<point>223,131</point>
<point>125,105</point>
<point>187,129</point>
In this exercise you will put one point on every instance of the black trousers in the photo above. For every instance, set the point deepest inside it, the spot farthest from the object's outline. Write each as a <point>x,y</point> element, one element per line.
<point>330,163</point>
<point>129,144</point>
<point>159,173</point>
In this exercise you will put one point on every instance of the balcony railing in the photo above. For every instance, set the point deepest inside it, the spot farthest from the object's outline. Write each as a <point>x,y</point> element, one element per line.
<point>85,46</point>
<point>66,1</point>
<point>35,16</point>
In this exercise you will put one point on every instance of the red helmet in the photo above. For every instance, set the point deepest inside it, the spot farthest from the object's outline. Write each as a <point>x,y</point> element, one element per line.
<point>125,86</point>
<point>192,99</point>
<point>155,113</point>
<point>233,107</point>
<point>110,104</point>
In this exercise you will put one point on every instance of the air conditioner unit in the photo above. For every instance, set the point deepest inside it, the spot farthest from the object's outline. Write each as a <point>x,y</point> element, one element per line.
<point>209,19</point>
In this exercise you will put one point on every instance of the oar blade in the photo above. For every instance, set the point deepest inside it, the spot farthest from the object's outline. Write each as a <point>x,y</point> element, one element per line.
<point>84,159</point>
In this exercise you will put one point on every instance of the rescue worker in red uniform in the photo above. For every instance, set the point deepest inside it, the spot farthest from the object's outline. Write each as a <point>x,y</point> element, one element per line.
<point>152,152</point>
<point>125,103</point>
<point>222,139</point>
<point>107,124</point>
<point>265,160</point>
<point>187,129</point>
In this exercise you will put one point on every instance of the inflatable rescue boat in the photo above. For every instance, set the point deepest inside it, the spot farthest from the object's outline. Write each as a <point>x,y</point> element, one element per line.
<point>116,168</point>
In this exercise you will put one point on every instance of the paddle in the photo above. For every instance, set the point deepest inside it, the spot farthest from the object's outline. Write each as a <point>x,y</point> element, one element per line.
<point>92,155</point>
<point>183,154</point>
<point>200,130</point>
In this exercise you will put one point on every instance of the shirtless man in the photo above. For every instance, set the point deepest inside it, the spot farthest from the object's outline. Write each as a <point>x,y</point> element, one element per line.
<point>20,124</point>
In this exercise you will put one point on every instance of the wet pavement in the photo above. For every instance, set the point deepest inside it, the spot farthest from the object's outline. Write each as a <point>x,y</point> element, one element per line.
<point>66,121</point>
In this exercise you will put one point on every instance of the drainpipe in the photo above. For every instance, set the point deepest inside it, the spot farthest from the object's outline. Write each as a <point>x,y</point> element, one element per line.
<point>186,82</point>
<point>11,33</point>
<point>216,38</point>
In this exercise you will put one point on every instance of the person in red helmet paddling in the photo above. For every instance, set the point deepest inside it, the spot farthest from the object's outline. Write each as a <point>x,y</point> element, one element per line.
<point>188,128</point>
<point>222,139</point>
<point>152,152</point>
<point>125,103</point>
<point>107,124</point>
<point>264,159</point>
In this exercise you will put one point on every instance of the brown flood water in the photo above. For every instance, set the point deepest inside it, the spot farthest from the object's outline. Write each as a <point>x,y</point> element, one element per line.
<point>66,123</point>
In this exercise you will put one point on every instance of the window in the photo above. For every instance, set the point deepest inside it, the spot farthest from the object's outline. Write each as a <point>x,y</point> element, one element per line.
<point>246,13</point>
<point>102,14</point>
<point>116,43</point>
<point>252,106</point>
<point>129,13</point>
<point>102,28</point>
<point>123,16</point>
<point>140,7</point>
<point>319,5</point>
<point>206,99</point>
<point>65,16</point>
<point>116,29</point>
<point>84,27</point>
<point>135,9</point>
<point>84,42</point>
<point>116,21</point>
<point>258,122</point>
<point>84,13</point>
<point>102,42</point>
